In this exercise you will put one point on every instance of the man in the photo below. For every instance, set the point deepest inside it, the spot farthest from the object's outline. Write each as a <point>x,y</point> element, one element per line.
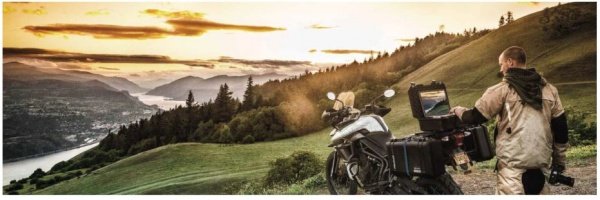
<point>531,130</point>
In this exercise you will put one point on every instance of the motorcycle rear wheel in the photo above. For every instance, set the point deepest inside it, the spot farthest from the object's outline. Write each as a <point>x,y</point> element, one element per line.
<point>338,181</point>
<point>443,184</point>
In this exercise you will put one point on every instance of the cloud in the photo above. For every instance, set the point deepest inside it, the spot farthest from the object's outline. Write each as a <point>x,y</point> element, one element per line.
<point>348,51</point>
<point>185,25</point>
<point>312,51</point>
<point>109,68</point>
<point>8,9</point>
<point>73,66</point>
<point>38,11</point>
<point>263,64</point>
<point>406,39</point>
<point>60,56</point>
<point>97,12</point>
<point>174,15</point>
<point>134,75</point>
<point>101,31</point>
<point>318,26</point>
<point>180,27</point>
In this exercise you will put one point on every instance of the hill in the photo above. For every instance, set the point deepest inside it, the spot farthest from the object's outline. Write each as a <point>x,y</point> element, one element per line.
<point>46,115</point>
<point>208,88</point>
<point>20,71</point>
<point>467,70</point>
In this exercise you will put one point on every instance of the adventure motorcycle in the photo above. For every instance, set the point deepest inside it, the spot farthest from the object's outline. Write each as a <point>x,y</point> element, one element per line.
<point>367,155</point>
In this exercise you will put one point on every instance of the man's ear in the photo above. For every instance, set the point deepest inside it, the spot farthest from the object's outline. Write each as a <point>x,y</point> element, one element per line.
<point>511,62</point>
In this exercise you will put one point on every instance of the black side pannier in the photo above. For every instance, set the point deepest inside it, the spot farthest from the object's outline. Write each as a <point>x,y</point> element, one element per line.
<point>477,145</point>
<point>416,156</point>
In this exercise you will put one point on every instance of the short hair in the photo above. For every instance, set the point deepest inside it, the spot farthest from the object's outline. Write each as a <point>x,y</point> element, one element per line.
<point>516,53</point>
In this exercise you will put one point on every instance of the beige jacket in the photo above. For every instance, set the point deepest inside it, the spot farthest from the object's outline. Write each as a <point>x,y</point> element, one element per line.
<point>524,138</point>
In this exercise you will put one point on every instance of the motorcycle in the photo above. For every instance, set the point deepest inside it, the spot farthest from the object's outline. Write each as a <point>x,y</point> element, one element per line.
<point>367,155</point>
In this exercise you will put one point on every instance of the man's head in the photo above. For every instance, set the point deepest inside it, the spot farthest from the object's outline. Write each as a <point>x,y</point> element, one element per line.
<point>512,57</point>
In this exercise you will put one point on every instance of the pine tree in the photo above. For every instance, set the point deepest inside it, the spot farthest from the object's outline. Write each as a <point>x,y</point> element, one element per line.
<point>224,106</point>
<point>191,117</point>
<point>501,21</point>
<point>189,102</point>
<point>509,17</point>
<point>249,99</point>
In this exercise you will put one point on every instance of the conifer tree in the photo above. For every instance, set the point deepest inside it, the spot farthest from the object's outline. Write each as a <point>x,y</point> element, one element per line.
<point>249,99</point>
<point>224,106</point>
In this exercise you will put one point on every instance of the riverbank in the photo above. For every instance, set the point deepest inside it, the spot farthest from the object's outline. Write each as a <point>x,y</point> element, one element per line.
<point>23,168</point>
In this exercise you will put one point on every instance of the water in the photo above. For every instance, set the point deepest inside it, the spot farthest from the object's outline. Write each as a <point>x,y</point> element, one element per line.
<point>162,102</point>
<point>23,168</point>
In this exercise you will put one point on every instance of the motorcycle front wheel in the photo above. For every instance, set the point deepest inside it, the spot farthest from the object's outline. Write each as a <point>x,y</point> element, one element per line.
<point>338,181</point>
<point>443,184</point>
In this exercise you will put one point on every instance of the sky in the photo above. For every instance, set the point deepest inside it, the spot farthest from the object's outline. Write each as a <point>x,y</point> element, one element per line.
<point>147,41</point>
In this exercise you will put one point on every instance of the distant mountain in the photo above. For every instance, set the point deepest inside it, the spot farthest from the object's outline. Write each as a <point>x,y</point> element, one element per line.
<point>20,71</point>
<point>205,89</point>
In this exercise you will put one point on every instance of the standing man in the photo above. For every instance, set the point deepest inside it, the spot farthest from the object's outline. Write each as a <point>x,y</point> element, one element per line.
<point>531,131</point>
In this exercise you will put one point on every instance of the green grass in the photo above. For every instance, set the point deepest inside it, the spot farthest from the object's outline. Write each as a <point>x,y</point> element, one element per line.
<point>189,168</point>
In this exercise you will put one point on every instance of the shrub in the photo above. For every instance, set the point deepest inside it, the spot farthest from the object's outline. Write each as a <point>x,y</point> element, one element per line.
<point>13,181</point>
<point>248,139</point>
<point>297,167</point>
<point>38,173</point>
<point>580,132</point>
<point>14,187</point>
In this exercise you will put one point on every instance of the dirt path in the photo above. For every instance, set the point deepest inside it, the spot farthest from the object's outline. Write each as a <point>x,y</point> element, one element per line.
<point>483,181</point>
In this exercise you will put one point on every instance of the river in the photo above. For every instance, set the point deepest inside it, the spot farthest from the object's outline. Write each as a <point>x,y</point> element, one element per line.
<point>23,168</point>
<point>162,102</point>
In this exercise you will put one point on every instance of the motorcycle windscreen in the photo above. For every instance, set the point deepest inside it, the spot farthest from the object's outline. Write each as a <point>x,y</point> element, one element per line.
<point>347,98</point>
<point>434,103</point>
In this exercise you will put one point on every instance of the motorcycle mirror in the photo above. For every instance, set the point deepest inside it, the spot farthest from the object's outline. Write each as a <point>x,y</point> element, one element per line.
<point>331,96</point>
<point>389,93</point>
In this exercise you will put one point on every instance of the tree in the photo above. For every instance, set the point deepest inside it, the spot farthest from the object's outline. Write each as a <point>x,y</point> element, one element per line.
<point>224,106</point>
<point>509,17</point>
<point>191,117</point>
<point>249,97</point>
<point>189,102</point>
<point>501,21</point>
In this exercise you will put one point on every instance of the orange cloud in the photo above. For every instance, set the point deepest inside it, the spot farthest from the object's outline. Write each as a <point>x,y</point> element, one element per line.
<point>101,31</point>
<point>348,51</point>
<point>318,26</point>
<point>38,11</point>
<point>97,12</point>
<point>8,10</point>
<point>60,56</point>
<point>181,27</point>
<point>203,25</point>
<point>174,15</point>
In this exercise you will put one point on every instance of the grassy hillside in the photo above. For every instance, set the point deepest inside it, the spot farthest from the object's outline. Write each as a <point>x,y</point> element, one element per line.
<point>569,63</point>
<point>189,168</point>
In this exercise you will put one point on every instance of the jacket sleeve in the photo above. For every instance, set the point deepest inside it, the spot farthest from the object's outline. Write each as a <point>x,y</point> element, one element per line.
<point>473,116</point>
<point>560,133</point>
<point>490,104</point>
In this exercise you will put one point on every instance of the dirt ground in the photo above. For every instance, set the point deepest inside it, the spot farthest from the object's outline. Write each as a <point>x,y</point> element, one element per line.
<point>483,181</point>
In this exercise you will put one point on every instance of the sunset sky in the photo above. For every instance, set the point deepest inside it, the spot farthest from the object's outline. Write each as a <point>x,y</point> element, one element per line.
<point>207,39</point>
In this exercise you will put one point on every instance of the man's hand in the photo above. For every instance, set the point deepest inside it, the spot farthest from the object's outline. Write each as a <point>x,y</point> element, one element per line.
<point>458,111</point>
